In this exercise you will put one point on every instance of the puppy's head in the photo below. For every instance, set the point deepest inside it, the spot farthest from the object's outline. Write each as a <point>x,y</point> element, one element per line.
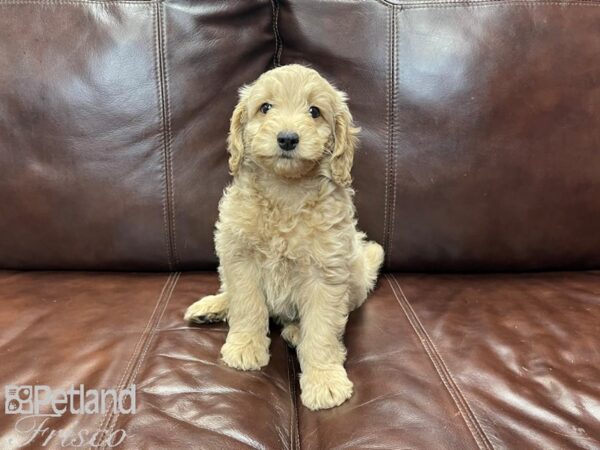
<point>295,124</point>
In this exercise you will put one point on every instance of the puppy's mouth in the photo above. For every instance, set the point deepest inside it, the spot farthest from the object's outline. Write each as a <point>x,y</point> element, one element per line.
<point>291,165</point>
<point>293,153</point>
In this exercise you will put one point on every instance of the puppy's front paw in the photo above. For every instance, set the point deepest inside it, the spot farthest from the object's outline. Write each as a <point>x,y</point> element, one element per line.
<point>322,389</point>
<point>209,309</point>
<point>246,352</point>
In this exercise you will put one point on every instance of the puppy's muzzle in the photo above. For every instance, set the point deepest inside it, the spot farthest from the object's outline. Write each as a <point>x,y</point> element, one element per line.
<point>288,140</point>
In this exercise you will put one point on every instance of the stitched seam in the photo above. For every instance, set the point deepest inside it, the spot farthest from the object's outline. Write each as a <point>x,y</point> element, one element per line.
<point>442,376</point>
<point>159,97</point>
<point>392,5</point>
<point>294,430</point>
<point>75,2</point>
<point>393,132</point>
<point>445,366</point>
<point>148,341</point>
<point>134,354</point>
<point>383,2</point>
<point>295,401</point>
<point>389,140</point>
<point>444,5</point>
<point>169,140</point>
<point>415,5</point>
<point>294,416</point>
<point>452,388</point>
<point>409,4</point>
<point>160,74</point>
<point>287,350</point>
<point>277,35</point>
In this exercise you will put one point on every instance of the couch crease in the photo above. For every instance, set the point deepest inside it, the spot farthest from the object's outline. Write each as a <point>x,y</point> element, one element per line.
<point>441,368</point>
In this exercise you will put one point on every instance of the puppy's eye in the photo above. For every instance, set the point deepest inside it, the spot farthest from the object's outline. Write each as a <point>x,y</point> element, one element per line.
<point>314,112</point>
<point>265,107</point>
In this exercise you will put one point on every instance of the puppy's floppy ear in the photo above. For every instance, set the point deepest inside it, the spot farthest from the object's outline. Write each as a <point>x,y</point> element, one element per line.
<point>345,141</point>
<point>235,140</point>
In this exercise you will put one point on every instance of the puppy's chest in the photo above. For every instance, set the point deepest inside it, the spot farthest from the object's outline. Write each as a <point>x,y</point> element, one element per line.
<point>282,244</point>
<point>282,237</point>
<point>304,235</point>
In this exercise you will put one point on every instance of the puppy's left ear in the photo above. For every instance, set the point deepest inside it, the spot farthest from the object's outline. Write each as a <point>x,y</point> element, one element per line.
<point>235,140</point>
<point>345,142</point>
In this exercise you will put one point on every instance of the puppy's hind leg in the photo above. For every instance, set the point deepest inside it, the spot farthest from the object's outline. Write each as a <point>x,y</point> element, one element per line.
<point>365,272</point>
<point>373,256</point>
<point>209,309</point>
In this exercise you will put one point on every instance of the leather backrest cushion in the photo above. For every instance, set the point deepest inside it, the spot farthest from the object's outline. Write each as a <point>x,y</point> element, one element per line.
<point>480,142</point>
<point>481,125</point>
<point>113,118</point>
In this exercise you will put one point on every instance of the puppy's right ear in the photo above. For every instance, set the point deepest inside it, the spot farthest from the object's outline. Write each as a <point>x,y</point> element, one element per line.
<point>235,140</point>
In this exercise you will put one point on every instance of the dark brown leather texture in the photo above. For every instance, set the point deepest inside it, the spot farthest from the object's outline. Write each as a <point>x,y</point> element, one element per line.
<point>112,130</point>
<point>481,130</point>
<point>479,172</point>
<point>438,361</point>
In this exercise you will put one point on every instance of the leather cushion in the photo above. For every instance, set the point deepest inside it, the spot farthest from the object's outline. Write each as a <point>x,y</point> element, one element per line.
<point>112,130</point>
<point>481,126</point>
<point>458,361</point>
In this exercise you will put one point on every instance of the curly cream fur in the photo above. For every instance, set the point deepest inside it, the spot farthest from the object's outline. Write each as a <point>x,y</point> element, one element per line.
<point>286,236</point>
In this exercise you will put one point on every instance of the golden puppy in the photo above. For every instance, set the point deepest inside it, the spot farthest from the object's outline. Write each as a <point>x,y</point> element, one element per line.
<point>286,236</point>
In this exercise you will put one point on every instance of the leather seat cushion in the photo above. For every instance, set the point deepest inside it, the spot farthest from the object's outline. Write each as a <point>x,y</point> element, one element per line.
<point>494,361</point>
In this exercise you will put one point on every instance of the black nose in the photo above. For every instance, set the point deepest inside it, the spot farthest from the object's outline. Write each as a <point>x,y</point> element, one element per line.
<point>288,140</point>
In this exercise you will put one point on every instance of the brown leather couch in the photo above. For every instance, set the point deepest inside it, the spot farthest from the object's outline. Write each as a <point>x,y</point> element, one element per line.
<point>479,172</point>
